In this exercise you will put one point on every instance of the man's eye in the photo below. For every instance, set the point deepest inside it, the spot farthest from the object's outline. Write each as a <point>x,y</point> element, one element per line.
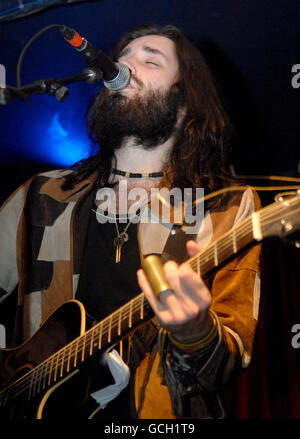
<point>151,62</point>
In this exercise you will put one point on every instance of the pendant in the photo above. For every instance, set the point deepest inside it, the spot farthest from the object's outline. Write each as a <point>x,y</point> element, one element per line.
<point>118,243</point>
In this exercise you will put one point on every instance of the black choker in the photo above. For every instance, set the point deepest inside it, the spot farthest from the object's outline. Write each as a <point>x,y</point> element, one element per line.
<point>136,175</point>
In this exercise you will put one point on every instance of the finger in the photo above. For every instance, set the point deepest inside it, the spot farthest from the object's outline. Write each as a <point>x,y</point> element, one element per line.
<point>167,309</point>
<point>192,248</point>
<point>171,275</point>
<point>185,302</point>
<point>182,278</point>
<point>190,295</point>
<point>182,300</point>
<point>193,286</point>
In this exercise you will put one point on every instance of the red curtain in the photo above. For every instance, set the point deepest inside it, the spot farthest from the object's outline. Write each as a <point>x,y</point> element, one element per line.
<point>270,387</point>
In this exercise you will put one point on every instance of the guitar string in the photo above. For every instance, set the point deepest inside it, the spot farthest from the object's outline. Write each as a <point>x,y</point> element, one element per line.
<point>40,373</point>
<point>47,372</point>
<point>66,350</point>
<point>78,348</point>
<point>49,360</point>
<point>81,347</point>
<point>223,242</point>
<point>55,361</point>
<point>203,262</point>
<point>71,351</point>
<point>74,343</point>
<point>238,230</point>
<point>28,380</point>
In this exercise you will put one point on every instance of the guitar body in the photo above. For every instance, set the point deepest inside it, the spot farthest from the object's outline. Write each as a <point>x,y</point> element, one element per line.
<point>67,393</point>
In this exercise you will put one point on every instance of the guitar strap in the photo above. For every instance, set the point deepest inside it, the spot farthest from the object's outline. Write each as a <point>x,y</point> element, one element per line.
<point>146,379</point>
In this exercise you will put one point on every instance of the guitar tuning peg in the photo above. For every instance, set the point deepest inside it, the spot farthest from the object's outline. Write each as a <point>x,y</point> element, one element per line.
<point>284,197</point>
<point>286,226</point>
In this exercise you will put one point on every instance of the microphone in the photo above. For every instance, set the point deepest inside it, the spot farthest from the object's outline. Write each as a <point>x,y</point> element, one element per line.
<point>116,76</point>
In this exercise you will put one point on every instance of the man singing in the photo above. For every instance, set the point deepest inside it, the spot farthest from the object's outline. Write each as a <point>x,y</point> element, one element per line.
<point>66,234</point>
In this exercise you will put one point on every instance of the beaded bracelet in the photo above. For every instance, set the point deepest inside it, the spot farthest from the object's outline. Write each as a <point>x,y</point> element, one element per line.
<point>200,344</point>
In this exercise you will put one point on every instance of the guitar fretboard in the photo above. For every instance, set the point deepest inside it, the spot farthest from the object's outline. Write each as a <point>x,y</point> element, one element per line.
<point>223,248</point>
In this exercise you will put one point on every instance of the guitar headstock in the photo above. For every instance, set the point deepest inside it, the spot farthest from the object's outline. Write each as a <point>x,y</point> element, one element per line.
<point>282,217</point>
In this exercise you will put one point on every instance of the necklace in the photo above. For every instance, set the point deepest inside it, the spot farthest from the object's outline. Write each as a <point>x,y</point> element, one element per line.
<point>120,239</point>
<point>123,237</point>
<point>136,175</point>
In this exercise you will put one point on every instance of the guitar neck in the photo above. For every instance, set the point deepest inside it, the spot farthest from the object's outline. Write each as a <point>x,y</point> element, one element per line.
<point>99,337</point>
<point>75,353</point>
<point>263,223</point>
<point>226,247</point>
<point>277,219</point>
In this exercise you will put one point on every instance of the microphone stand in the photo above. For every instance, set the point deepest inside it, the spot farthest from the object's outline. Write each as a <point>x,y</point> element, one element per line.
<point>51,86</point>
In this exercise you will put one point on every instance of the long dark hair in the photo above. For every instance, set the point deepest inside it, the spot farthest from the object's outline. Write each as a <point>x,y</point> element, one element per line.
<point>200,155</point>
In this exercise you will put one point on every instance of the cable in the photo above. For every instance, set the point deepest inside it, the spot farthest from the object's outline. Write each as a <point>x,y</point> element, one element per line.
<point>26,47</point>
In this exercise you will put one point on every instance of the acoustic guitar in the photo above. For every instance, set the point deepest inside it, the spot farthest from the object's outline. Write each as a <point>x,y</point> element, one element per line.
<point>47,375</point>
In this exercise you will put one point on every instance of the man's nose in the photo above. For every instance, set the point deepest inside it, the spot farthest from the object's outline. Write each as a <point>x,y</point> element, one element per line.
<point>133,67</point>
<point>129,62</point>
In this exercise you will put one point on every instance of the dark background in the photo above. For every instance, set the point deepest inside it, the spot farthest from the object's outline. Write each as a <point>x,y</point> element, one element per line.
<point>251,48</point>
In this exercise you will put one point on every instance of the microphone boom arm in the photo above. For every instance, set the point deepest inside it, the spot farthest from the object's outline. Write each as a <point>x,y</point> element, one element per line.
<point>51,86</point>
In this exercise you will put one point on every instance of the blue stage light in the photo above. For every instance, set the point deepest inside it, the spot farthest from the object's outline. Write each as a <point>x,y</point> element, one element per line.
<point>61,140</point>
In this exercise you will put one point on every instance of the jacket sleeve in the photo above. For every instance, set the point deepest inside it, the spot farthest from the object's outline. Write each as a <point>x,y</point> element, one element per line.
<point>10,214</point>
<point>235,293</point>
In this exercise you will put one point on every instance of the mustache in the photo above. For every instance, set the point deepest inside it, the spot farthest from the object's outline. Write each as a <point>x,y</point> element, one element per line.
<point>137,81</point>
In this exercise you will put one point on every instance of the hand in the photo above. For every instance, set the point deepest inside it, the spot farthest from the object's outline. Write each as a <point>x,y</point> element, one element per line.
<point>184,310</point>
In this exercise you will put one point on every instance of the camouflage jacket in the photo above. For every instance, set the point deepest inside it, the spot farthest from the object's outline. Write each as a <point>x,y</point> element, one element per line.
<point>42,235</point>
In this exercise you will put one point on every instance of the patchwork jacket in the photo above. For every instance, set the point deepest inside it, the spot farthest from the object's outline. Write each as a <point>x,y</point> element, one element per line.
<point>42,235</point>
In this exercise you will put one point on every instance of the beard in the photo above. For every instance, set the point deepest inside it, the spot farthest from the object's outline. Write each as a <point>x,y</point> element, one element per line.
<point>150,119</point>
